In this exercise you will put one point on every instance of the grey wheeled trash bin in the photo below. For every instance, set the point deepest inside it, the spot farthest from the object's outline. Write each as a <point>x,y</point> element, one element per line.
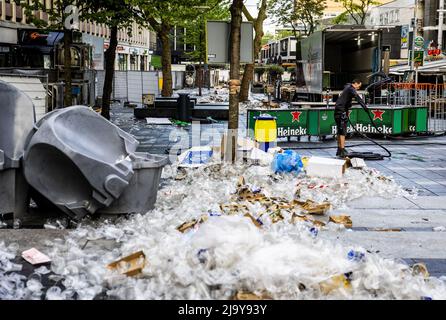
<point>140,196</point>
<point>17,118</point>
<point>78,160</point>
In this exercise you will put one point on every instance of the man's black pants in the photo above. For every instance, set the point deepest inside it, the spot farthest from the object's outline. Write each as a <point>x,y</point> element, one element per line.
<point>341,119</point>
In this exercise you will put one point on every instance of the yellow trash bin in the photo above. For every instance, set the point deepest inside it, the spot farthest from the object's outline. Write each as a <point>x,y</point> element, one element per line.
<point>265,131</point>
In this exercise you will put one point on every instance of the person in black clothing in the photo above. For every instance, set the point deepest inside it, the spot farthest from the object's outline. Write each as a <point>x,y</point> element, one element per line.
<point>343,105</point>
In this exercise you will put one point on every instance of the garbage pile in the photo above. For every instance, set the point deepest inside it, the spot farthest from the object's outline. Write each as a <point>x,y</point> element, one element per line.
<point>73,160</point>
<point>216,235</point>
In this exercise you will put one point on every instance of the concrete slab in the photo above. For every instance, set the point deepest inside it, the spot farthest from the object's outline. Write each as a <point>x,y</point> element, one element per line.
<point>29,238</point>
<point>438,202</point>
<point>396,245</point>
<point>382,218</point>
<point>380,203</point>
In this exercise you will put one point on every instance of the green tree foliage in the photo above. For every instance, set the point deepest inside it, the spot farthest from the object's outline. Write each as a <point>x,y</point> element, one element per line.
<point>162,17</point>
<point>267,37</point>
<point>57,16</point>
<point>257,22</point>
<point>297,14</point>
<point>355,9</point>
<point>195,28</point>
<point>117,15</point>
<point>283,34</point>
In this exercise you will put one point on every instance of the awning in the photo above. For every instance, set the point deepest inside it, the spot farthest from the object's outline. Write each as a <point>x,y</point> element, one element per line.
<point>429,67</point>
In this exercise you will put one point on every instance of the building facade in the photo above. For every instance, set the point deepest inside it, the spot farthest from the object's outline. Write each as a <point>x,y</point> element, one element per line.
<point>133,53</point>
<point>400,14</point>
<point>431,22</point>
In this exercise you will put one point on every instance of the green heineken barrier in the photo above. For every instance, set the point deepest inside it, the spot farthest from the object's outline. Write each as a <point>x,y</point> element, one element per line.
<point>388,121</point>
<point>320,121</point>
<point>414,120</point>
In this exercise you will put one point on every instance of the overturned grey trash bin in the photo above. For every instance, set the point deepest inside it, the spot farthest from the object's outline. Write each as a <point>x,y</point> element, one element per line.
<point>78,160</point>
<point>140,196</point>
<point>17,118</point>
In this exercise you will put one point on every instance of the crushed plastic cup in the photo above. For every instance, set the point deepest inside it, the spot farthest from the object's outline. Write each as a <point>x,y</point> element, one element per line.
<point>356,256</point>
<point>54,293</point>
<point>314,232</point>
<point>17,224</point>
<point>202,255</point>
<point>14,247</point>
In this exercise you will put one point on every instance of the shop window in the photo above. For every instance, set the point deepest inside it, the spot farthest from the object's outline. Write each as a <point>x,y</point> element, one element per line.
<point>19,13</point>
<point>133,62</point>
<point>122,61</point>
<point>8,10</point>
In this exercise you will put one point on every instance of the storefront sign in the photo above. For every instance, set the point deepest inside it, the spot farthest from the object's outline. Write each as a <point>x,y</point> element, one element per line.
<point>404,37</point>
<point>419,42</point>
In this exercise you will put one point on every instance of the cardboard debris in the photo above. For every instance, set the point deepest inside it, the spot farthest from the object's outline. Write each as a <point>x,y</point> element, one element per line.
<point>306,218</point>
<point>383,178</point>
<point>345,220</point>
<point>297,217</point>
<point>420,269</point>
<point>357,163</point>
<point>326,168</point>
<point>35,257</point>
<point>311,207</point>
<point>254,220</point>
<point>191,224</point>
<point>181,174</point>
<point>234,208</point>
<point>318,223</point>
<point>131,265</point>
<point>241,295</point>
<point>337,282</point>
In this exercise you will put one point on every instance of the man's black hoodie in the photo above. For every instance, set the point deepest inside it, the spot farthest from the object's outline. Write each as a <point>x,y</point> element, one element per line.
<point>344,102</point>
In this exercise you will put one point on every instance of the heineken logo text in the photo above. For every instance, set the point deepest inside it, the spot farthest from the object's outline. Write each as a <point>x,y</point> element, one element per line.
<point>291,132</point>
<point>363,128</point>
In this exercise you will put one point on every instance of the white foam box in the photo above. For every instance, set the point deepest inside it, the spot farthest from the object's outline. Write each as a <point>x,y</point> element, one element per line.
<point>326,168</point>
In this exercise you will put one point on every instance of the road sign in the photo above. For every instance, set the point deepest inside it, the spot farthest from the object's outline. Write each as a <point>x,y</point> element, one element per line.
<point>218,42</point>
<point>419,42</point>
<point>418,58</point>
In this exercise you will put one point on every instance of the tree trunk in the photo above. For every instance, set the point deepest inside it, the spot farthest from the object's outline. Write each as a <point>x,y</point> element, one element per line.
<point>110,56</point>
<point>68,95</point>
<point>166,61</point>
<point>236,23</point>
<point>248,76</point>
